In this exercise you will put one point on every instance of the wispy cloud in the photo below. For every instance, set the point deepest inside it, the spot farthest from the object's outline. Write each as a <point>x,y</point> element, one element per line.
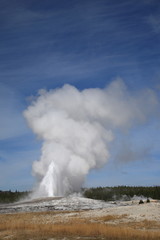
<point>127,153</point>
<point>78,41</point>
<point>11,120</point>
<point>155,23</point>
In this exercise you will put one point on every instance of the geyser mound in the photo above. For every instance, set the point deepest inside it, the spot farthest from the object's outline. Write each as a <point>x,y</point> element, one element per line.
<point>77,128</point>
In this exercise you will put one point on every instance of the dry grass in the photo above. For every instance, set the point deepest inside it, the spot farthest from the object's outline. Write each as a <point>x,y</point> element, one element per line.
<point>145,224</point>
<point>29,226</point>
<point>109,218</point>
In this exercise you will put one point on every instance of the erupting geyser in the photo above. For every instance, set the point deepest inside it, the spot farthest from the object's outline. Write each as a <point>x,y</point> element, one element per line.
<point>76,128</point>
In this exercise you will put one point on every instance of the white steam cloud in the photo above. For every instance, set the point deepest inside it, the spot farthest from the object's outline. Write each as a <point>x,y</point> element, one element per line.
<point>77,128</point>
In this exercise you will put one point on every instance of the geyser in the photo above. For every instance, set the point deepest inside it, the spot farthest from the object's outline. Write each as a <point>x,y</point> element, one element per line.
<point>77,128</point>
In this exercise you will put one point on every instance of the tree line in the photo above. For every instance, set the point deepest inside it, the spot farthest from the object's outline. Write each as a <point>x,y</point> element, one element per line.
<point>10,197</point>
<point>99,193</point>
<point>122,192</point>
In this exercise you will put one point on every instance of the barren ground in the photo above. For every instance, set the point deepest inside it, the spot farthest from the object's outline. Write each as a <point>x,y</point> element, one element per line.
<point>144,217</point>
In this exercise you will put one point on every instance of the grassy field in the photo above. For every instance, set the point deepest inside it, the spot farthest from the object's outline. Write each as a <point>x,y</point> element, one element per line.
<point>37,226</point>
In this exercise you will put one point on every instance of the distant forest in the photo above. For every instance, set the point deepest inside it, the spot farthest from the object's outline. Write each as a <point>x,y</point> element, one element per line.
<point>10,197</point>
<point>122,192</point>
<point>99,193</point>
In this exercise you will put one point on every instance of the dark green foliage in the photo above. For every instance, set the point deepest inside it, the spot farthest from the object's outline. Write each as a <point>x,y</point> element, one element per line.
<point>122,192</point>
<point>10,197</point>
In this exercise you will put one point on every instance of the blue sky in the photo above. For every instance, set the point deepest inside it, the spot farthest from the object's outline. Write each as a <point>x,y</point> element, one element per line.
<point>88,43</point>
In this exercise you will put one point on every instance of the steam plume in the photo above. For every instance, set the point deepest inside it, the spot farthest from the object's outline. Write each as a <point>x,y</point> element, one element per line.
<point>77,128</point>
